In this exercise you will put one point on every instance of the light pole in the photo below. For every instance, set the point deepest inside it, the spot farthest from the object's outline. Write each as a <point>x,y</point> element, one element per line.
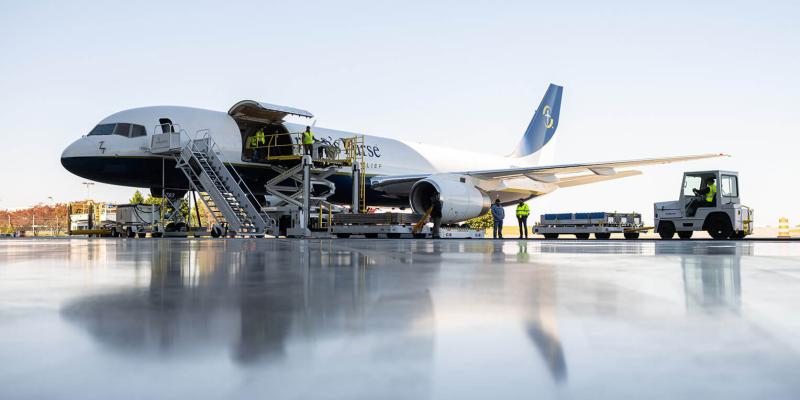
<point>8,215</point>
<point>88,186</point>
<point>52,208</point>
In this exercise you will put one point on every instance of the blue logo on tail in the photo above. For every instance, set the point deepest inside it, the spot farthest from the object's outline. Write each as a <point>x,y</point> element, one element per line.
<point>543,124</point>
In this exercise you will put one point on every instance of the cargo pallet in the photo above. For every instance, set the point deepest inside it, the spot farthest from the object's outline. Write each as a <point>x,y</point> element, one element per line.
<point>584,224</point>
<point>393,226</point>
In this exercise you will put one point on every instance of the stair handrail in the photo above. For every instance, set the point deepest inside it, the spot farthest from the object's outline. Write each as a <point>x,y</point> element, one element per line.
<point>192,149</point>
<point>205,134</point>
<point>323,204</point>
<point>214,177</point>
<point>174,129</point>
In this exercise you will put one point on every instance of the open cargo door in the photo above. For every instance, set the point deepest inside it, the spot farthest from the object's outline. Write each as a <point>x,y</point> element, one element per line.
<point>250,110</point>
<point>253,116</point>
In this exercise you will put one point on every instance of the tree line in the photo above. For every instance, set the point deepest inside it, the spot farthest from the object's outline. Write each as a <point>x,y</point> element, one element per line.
<point>52,219</point>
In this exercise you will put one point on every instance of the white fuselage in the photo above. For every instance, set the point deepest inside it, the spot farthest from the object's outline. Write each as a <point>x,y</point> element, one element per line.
<point>99,157</point>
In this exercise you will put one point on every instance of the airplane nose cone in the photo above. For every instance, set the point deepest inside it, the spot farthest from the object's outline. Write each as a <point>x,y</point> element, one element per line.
<point>73,157</point>
<point>70,164</point>
<point>70,151</point>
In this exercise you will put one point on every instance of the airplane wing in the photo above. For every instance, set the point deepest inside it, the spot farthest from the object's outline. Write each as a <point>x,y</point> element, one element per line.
<point>549,174</point>
<point>561,175</point>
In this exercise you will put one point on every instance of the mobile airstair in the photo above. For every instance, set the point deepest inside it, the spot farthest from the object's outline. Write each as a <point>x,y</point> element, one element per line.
<point>223,191</point>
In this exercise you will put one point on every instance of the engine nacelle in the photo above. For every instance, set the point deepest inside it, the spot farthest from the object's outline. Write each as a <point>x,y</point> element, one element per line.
<point>461,200</point>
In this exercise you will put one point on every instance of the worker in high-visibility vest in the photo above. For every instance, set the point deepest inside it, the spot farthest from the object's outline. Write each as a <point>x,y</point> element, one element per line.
<point>261,138</point>
<point>250,145</point>
<point>308,142</point>
<point>522,218</point>
<point>706,197</point>
<point>255,142</point>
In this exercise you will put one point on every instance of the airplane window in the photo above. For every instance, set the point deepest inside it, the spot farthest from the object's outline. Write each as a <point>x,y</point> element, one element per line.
<point>137,131</point>
<point>102,130</point>
<point>123,130</point>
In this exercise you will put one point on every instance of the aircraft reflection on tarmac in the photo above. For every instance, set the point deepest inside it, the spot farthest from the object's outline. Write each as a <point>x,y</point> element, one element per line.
<point>267,300</point>
<point>191,293</point>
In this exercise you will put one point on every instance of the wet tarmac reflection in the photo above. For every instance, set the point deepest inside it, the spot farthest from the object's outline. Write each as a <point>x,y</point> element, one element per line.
<point>396,318</point>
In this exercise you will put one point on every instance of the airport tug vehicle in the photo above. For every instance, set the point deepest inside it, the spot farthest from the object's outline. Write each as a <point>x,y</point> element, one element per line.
<point>723,218</point>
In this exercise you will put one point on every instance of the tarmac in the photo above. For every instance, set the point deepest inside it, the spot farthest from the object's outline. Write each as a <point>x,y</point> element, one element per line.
<point>398,319</point>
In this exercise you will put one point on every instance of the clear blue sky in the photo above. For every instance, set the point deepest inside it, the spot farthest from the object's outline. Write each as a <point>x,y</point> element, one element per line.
<point>641,79</point>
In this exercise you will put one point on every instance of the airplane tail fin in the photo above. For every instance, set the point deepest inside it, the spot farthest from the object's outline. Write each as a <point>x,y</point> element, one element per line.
<point>543,124</point>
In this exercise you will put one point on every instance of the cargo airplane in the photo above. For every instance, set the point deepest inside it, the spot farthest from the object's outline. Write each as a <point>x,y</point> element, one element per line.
<point>399,174</point>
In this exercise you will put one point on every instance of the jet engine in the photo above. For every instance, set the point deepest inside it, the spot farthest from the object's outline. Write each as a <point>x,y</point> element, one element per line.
<point>461,200</point>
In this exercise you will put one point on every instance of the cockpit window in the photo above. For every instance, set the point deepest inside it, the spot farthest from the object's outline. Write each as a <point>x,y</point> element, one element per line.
<point>102,130</point>
<point>121,129</point>
<point>137,131</point>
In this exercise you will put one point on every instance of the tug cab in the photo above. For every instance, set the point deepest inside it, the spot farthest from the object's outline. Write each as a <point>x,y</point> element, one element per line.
<point>723,217</point>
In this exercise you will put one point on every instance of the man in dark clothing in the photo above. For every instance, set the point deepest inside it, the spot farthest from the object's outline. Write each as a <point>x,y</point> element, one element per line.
<point>436,215</point>
<point>498,214</point>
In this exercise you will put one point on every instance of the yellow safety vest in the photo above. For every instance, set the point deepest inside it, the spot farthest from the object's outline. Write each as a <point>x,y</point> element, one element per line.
<point>712,193</point>
<point>308,137</point>
<point>260,138</point>
<point>523,210</point>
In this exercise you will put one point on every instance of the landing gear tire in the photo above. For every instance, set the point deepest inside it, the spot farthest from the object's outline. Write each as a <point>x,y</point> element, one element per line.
<point>666,230</point>
<point>685,235</point>
<point>129,232</point>
<point>719,228</point>
<point>342,235</point>
<point>581,236</point>
<point>551,236</point>
<point>114,232</point>
<point>602,235</point>
<point>141,235</point>
<point>631,235</point>
<point>738,235</point>
<point>157,234</point>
